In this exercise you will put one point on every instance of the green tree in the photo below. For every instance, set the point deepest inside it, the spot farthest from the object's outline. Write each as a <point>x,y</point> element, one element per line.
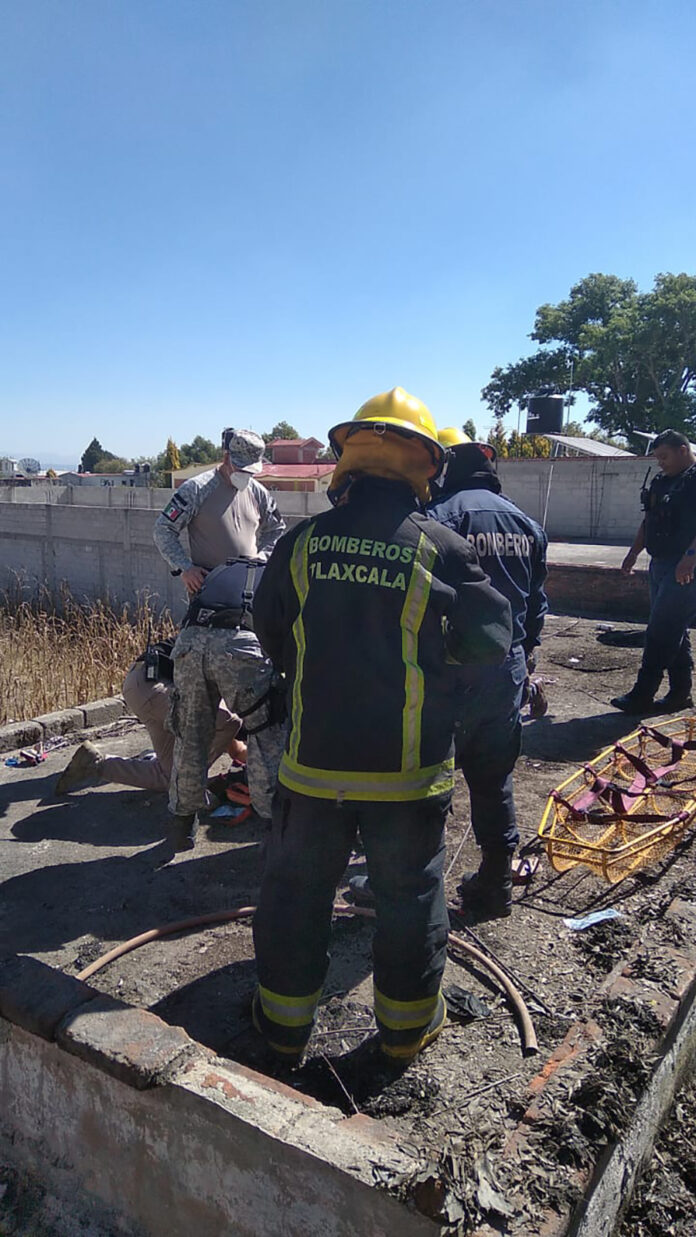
<point>519,446</point>
<point>172,459</point>
<point>200,451</point>
<point>497,438</point>
<point>168,463</point>
<point>111,464</point>
<point>470,429</point>
<point>575,430</point>
<point>92,454</point>
<point>632,353</point>
<point>524,446</point>
<point>539,448</point>
<point>283,429</point>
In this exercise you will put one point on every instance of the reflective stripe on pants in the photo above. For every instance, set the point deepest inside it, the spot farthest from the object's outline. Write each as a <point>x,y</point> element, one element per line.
<point>310,845</point>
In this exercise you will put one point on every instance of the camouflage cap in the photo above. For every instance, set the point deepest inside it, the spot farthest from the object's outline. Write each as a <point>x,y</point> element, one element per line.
<point>245,448</point>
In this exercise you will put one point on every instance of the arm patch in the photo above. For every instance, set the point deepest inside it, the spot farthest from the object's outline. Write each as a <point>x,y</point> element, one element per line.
<point>174,508</point>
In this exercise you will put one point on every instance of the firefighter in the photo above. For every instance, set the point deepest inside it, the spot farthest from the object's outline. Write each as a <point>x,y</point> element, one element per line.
<point>362,608</point>
<point>668,533</point>
<point>229,518</point>
<point>511,549</point>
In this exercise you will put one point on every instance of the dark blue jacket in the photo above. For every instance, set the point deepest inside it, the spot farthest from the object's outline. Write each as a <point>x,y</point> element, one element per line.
<point>511,549</point>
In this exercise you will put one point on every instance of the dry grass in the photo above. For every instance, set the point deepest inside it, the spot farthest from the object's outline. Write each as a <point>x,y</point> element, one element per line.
<point>56,652</point>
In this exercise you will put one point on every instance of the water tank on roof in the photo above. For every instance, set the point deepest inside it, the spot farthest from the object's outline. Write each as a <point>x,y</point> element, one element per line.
<point>545,413</point>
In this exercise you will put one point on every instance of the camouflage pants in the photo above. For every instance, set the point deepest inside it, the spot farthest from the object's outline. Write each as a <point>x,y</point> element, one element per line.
<point>210,663</point>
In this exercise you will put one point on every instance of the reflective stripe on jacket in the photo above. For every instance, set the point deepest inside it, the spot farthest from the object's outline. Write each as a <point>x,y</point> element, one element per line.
<point>363,608</point>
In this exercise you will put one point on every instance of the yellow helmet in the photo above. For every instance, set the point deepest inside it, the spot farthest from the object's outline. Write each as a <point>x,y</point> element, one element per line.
<point>452,437</point>
<point>392,410</point>
<point>393,435</point>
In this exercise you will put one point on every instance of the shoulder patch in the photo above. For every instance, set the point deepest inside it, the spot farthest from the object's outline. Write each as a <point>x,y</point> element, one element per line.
<point>174,508</point>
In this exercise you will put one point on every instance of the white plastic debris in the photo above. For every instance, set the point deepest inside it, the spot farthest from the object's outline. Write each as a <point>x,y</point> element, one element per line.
<point>586,921</point>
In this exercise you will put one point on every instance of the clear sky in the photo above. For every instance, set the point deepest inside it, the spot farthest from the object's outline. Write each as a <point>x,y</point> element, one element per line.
<point>235,211</point>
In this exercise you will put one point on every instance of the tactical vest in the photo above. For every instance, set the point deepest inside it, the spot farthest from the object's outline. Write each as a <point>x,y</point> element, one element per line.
<point>665,533</point>
<point>226,595</point>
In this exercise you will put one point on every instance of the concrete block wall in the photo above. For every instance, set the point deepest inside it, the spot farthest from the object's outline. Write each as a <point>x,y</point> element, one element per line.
<point>100,540</point>
<point>102,551</point>
<point>87,496</point>
<point>588,499</point>
<point>131,1127</point>
<point>99,552</point>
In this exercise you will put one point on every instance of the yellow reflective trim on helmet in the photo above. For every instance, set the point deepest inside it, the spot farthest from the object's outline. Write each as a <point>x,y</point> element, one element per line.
<point>412,614</point>
<point>299,571</point>
<point>402,787</point>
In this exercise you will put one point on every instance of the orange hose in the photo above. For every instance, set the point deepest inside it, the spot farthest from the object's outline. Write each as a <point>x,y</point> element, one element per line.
<point>168,929</point>
<point>527,1033</point>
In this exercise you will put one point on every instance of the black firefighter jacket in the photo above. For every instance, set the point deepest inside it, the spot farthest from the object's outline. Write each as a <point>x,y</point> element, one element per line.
<point>365,608</point>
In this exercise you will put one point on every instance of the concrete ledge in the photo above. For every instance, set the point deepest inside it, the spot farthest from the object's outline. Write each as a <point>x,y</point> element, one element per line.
<point>62,721</point>
<point>101,712</point>
<point>598,592</point>
<point>36,996</point>
<point>212,1148</point>
<point>19,734</point>
<point>131,1044</point>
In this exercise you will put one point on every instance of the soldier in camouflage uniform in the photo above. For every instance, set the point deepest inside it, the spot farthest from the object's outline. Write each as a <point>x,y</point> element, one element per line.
<point>227,515</point>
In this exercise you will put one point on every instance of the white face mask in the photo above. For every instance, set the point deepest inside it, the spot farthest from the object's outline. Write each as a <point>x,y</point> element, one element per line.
<point>240,480</point>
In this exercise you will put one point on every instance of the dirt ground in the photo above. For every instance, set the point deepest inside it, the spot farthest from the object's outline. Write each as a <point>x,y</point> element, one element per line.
<point>85,872</point>
<point>663,1202</point>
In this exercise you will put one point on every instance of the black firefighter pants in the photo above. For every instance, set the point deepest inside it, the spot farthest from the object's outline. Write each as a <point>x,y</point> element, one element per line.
<point>487,744</point>
<point>310,845</point>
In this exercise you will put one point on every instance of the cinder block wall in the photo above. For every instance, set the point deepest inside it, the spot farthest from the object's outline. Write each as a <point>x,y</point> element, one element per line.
<point>587,499</point>
<point>101,550</point>
<point>100,539</point>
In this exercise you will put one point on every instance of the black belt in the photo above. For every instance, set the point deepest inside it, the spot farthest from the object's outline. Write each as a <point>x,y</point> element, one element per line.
<point>220,618</point>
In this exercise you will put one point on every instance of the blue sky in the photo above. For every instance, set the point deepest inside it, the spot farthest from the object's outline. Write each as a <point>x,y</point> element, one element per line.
<point>234,211</point>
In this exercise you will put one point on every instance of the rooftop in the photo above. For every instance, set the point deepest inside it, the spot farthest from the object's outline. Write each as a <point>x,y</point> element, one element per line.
<point>296,442</point>
<point>320,469</point>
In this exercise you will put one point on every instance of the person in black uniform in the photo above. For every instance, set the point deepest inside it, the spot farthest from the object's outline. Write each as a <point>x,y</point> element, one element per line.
<point>668,533</point>
<point>363,608</point>
<point>511,549</point>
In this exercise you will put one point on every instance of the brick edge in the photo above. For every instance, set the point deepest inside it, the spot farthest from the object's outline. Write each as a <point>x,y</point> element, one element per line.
<point>15,735</point>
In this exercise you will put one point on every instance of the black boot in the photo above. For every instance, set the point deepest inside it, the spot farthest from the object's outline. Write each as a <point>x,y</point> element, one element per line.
<point>641,698</point>
<point>182,832</point>
<point>634,702</point>
<point>487,894</point>
<point>677,698</point>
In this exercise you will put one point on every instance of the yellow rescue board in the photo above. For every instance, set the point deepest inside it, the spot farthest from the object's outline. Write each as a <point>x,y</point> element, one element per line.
<point>629,806</point>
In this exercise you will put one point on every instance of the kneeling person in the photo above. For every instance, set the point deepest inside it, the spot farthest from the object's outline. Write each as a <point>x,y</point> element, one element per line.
<point>148,697</point>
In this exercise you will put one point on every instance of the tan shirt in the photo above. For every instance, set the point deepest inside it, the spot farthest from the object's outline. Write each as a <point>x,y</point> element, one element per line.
<point>222,522</point>
<point>225,526</point>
